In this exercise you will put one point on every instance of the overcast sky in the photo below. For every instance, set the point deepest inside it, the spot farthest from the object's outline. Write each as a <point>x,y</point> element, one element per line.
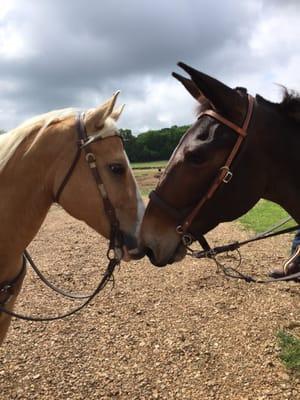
<point>76,53</point>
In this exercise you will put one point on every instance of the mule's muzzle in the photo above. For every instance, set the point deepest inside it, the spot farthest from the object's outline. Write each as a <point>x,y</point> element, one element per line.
<point>178,255</point>
<point>150,254</point>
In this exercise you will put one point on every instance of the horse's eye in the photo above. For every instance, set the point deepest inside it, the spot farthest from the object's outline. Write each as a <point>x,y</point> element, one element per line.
<point>117,169</point>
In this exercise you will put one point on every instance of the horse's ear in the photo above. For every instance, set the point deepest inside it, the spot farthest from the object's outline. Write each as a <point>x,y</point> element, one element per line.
<point>116,113</point>
<point>95,118</point>
<point>223,98</point>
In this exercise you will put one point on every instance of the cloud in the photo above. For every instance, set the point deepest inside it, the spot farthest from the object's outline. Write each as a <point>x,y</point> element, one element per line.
<point>57,54</point>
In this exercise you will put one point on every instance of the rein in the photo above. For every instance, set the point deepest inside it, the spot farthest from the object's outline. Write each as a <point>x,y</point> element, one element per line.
<point>114,252</point>
<point>235,246</point>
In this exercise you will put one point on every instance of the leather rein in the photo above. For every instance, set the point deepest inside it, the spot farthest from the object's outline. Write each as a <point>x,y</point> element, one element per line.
<point>223,176</point>
<point>114,252</point>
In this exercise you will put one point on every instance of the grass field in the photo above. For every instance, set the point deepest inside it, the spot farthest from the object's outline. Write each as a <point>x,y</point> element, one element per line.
<point>264,215</point>
<point>289,350</point>
<point>260,218</point>
<point>150,164</point>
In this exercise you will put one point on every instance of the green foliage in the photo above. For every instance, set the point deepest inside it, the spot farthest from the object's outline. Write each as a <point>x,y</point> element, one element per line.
<point>263,216</point>
<point>152,145</point>
<point>290,350</point>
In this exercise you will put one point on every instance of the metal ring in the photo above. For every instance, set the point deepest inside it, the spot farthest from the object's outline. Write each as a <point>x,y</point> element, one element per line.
<point>90,157</point>
<point>179,229</point>
<point>114,254</point>
<point>187,239</point>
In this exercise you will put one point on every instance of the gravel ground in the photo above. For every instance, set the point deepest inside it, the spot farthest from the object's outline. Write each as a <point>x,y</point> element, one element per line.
<point>182,332</point>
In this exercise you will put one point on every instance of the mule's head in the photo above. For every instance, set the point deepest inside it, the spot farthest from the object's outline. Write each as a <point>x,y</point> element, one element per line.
<point>80,196</point>
<point>193,166</point>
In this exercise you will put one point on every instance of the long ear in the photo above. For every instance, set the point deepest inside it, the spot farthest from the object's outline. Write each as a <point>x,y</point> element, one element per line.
<point>189,85</point>
<point>116,113</point>
<point>95,118</point>
<point>222,97</point>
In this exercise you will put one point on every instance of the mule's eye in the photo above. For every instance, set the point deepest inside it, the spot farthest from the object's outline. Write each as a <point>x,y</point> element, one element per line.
<point>197,157</point>
<point>203,135</point>
<point>117,168</point>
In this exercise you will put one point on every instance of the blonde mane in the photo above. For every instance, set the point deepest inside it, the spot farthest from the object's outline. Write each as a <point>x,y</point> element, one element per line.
<point>10,141</point>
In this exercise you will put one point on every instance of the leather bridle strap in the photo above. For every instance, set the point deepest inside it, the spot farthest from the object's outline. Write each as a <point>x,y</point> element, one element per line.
<point>68,175</point>
<point>84,142</point>
<point>7,288</point>
<point>225,174</point>
<point>116,236</point>
<point>176,214</point>
<point>91,160</point>
<point>115,249</point>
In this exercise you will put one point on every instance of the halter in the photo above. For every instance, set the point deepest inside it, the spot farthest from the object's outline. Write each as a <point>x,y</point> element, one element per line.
<point>114,252</point>
<point>223,177</point>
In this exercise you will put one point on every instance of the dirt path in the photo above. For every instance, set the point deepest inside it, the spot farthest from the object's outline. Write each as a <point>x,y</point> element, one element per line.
<point>182,332</point>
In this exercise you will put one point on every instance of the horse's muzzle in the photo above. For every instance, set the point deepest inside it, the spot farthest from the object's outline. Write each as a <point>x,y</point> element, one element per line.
<point>131,249</point>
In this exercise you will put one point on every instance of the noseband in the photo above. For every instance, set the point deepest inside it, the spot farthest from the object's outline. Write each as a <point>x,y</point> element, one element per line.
<point>223,177</point>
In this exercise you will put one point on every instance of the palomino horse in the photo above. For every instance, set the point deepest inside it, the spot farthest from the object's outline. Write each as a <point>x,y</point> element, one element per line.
<point>37,168</point>
<point>239,150</point>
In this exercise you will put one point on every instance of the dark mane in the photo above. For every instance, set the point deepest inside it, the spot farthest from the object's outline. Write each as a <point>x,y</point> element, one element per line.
<point>290,104</point>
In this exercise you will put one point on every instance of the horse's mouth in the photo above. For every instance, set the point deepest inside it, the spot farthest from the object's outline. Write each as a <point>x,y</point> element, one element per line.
<point>132,254</point>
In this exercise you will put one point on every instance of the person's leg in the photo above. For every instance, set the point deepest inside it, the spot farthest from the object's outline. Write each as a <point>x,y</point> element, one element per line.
<point>296,242</point>
<point>292,265</point>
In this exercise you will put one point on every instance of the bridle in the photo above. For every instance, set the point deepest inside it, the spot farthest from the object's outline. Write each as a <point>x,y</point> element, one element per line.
<point>84,144</point>
<point>116,239</point>
<point>223,176</point>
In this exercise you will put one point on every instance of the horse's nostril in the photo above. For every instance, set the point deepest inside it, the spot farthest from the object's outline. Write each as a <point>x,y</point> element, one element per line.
<point>130,241</point>
<point>149,253</point>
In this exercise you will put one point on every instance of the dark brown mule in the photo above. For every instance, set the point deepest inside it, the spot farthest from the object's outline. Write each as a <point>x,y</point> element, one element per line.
<point>199,189</point>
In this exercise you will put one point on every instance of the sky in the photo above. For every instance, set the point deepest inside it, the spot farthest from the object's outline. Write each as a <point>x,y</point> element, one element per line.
<point>77,53</point>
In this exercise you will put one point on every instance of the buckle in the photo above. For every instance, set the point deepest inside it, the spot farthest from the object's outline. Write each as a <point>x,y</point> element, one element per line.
<point>187,239</point>
<point>228,174</point>
<point>179,229</point>
<point>5,288</point>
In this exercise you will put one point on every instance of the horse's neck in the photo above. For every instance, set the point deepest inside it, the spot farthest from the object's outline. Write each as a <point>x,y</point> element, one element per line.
<point>26,195</point>
<point>283,173</point>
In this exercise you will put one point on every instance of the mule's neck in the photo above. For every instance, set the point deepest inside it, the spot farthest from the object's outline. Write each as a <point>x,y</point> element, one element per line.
<point>283,177</point>
<point>27,191</point>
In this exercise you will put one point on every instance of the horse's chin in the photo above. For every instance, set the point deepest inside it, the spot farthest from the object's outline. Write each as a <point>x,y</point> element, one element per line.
<point>132,254</point>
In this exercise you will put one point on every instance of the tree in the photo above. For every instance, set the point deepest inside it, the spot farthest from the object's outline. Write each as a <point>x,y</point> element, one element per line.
<point>153,145</point>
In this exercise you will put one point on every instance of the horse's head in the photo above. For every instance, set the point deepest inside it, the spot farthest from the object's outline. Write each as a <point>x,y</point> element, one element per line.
<point>84,195</point>
<point>194,165</point>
